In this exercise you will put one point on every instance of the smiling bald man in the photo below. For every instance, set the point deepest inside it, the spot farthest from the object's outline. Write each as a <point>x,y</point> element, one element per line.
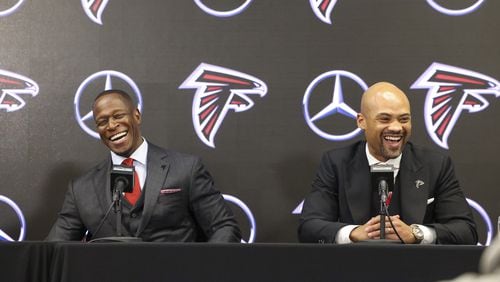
<point>427,205</point>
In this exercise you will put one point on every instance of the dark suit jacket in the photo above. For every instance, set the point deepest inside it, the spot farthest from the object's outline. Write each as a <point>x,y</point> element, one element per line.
<point>196,212</point>
<point>341,195</point>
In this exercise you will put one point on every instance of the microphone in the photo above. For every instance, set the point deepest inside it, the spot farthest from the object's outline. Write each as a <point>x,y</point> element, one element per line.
<point>121,183</point>
<point>382,191</point>
<point>122,179</point>
<point>383,180</point>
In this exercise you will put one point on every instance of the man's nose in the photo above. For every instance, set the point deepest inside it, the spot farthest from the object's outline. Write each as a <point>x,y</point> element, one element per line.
<point>112,124</point>
<point>395,126</point>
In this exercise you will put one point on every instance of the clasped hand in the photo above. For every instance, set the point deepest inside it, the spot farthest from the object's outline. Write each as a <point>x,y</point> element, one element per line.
<point>371,230</point>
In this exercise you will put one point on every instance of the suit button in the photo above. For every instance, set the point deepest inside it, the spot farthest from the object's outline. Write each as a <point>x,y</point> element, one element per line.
<point>133,215</point>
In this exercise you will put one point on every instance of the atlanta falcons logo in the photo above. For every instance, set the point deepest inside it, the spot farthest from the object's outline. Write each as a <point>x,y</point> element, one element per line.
<point>451,91</point>
<point>218,91</point>
<point>94,9</point>
<point>12,85</point>
<point>323,9</point>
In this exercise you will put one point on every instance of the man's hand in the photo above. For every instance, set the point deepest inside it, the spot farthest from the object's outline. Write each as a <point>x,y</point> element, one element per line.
<point>371,230</point>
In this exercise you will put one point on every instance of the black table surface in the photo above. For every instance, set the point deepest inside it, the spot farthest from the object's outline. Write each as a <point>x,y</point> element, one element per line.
<point>74,261</point>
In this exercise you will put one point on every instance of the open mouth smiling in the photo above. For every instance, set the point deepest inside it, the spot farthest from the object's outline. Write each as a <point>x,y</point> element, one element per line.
<point>118,136</point>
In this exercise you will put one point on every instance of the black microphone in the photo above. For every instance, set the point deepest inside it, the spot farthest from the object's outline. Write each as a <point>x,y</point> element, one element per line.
<point>382,190</point>
<point>122,178</point>
<point>121,183</point>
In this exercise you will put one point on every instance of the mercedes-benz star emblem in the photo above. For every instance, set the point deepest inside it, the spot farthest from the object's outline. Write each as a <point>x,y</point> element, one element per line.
<point>11,9</point>
<point>336,105</point>
<point>22,232</point>
<point>103,80</point>
<point>223,14</point>
<point>454,12</point>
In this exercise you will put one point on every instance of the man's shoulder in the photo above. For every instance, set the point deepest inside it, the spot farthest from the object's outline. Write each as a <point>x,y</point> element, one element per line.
<point>424,153</point>
<point>171,154</point>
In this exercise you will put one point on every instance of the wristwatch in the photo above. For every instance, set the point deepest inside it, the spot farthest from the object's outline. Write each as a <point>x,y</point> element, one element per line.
<point>417,233</point>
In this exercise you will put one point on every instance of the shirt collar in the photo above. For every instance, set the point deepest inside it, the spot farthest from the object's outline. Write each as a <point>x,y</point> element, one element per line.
<point>373,161</point>
<point>139,155</point>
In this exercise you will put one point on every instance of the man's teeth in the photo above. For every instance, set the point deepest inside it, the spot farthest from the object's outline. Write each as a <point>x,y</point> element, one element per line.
<point>118,136</point>
<point>392,138</point>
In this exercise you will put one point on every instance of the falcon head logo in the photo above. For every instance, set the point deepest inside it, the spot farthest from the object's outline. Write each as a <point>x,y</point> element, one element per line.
<point>323,9</point>
<point>94,9</point>
<point>13,86</point>
<point>218,91</point>
<point>451,91</point>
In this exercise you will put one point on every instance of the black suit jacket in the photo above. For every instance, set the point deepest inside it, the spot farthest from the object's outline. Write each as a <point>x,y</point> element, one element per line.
<point>341,195</point>
<point>180,203</point>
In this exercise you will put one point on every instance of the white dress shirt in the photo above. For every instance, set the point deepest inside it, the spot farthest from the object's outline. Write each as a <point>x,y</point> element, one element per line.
<point>140,157</point>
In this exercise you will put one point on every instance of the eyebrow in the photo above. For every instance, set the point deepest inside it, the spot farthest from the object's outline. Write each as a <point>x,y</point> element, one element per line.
<point>390,115</point>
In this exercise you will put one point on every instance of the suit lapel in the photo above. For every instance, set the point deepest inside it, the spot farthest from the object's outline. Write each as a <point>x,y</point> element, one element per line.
<point>157,169</point>
<point>414,185</point>
<point>358,186</point>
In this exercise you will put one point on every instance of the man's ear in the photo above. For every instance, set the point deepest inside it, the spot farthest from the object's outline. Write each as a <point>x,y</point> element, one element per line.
<point>137,116</point>
<point>361,121</point>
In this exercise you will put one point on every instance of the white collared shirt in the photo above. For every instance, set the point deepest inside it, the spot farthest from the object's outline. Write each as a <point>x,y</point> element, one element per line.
<point>394,162</point>
<point>140,157</point>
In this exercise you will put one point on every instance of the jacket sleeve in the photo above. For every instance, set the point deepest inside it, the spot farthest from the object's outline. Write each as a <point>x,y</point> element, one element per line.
<point>210,209</point>
<point>452,217</point>
<point>320,212</point>
<point>68,225</point>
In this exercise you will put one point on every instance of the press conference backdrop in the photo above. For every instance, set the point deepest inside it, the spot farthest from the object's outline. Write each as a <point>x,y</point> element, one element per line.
<point>257,88</point>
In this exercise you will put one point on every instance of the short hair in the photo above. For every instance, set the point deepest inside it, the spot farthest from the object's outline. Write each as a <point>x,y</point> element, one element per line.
<point>119,92</point>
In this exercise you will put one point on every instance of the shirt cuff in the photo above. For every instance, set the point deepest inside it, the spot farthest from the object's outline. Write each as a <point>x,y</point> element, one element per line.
<point>342,236</point>
<point>429,234</point>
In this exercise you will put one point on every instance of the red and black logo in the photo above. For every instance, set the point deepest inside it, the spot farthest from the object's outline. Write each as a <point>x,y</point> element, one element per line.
<point>13,87</point>
<point>218,91</point>
<point>451,91</point>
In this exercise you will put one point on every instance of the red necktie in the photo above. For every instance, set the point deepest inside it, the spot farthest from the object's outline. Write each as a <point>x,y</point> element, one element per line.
<point>136,191</point>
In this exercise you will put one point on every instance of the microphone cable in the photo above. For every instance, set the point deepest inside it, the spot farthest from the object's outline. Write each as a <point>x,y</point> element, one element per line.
<point>392,225</point>
<point>102,222</point>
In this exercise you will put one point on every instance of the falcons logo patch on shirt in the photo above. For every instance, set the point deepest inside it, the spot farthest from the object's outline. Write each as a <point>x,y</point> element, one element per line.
<point>219,90</point>
<point>451,91</point>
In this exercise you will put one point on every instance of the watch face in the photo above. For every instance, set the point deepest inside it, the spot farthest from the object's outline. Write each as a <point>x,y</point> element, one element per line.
<point>419,234</point>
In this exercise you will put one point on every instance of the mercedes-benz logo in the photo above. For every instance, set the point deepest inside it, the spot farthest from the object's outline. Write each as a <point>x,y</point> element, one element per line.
<point>100,81</point>
<point>12,9</point>
<point>455,12</point>
<point>223,14</point>
<point>22,232</point>
<point>336,103</point>
<point>484,215</point>
<point>248,213</point>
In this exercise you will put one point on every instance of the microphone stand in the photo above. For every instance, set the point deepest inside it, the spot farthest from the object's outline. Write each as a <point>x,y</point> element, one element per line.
<point>117,204</point>
<point>383,213</point>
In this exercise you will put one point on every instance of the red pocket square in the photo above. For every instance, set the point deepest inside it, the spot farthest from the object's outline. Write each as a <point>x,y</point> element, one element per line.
<point>170,190</point>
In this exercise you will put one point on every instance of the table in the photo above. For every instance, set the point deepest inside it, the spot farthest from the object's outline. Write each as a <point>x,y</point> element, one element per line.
<point>41,261</point>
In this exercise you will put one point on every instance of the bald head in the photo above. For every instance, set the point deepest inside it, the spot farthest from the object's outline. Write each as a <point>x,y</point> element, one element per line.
<point>386,119</point>
<point>382,92</point>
